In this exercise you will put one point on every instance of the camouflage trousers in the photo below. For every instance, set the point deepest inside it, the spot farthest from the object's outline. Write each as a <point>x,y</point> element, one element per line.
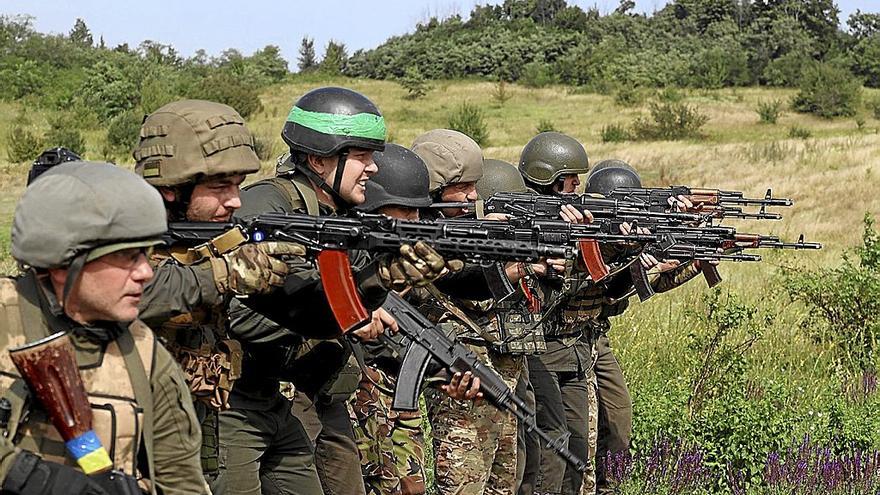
<point>391,443</point>
<point>475,444</point>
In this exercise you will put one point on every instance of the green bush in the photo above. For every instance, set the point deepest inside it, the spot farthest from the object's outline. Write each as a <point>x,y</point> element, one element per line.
<point>874,107</point>
<point>614,133</point>
<point>64,131</point>
<point>23,143</point>
<point>546,125</point>
<point>669,121</point>
<point>414,83</point>
<point>224,87</point>
<point>536,74</point>
<point>468,119</point>
<point>500,93</point>
<point>844,302</point>
<point>264,146</point>
<point>123,132</point>
<point>828,91</point>
<point>799,132</point>
<point>109,89</point>
<point>628,96</point>
<point>769,111</point>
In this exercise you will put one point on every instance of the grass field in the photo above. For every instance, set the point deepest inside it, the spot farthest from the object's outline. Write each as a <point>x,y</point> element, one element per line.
<point>833,178</point>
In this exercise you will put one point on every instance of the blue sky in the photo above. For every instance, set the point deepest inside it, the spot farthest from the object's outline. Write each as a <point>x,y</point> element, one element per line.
<point>216,25</point>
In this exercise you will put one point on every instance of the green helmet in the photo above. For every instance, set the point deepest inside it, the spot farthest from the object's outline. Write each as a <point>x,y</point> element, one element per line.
<point>186,140</point>
<point>609,175</point>
<point>499,176</point>
<point>326,121</point>
<point>550,155</point>
<point>451,156</point>
<point>402,180</point>
<point>85,210</point>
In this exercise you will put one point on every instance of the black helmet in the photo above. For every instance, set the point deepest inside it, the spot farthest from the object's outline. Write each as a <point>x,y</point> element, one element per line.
<point>609,175</point>
<point>550,155</point>
<point>402,180</point>
<point>326,121</point>
<point>499,176</point>
<point>49,159</point>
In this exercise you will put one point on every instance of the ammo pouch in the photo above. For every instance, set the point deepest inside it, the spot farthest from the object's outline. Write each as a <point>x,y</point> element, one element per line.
<point>326,371</point>
<point>519,333</point>
<point>210,371</point>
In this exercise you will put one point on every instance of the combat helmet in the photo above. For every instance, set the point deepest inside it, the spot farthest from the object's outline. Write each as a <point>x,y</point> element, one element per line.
<point>327,122</point>
<point>499,176</point>
<point>451,157</point>
<point>402,180</point>
<point>550,155</point>
<point>609,175</point>
<point>186,140</point>
<point>79,211</point>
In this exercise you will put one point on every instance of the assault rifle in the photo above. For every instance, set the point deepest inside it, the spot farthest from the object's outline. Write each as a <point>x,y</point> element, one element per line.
<point>714,202</point>
<point>426,341</point>
<point>329,238</point>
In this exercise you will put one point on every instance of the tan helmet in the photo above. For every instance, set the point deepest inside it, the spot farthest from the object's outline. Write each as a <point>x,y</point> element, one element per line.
<point>186,140</point>
<point>85,209</point>
<point>451,156</point>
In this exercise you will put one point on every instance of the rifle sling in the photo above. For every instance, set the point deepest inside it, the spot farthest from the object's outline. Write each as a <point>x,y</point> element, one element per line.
<point>143,394</point>
<point>458,313</point>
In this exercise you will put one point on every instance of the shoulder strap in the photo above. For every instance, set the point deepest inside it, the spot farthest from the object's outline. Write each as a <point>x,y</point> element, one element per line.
<point>458,313</point>
<point>297,190</point>
<point>140,382</point>
<point>29,307</point>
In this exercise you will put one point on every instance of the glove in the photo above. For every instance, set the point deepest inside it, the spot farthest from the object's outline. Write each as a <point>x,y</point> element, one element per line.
<point>30,475</point>
<point>254,268</point>
<point>415,267</point>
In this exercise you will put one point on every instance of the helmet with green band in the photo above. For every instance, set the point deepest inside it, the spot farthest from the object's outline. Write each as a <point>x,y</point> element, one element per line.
<point>327,121</point>
<point>551,155</point>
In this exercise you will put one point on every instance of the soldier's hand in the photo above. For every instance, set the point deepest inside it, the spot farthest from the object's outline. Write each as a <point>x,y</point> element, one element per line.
<point>255,268</point>
<point>381,321</point>
<point>463,387</point>
<point>416,266</point>
<point>680,203</point>
<point>572,215</point>
<point>500,217</point>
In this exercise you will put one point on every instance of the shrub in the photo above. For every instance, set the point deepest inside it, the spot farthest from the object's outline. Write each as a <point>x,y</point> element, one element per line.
<point>798,132</point>
<point>23,144</point>
<point>500,92</point>
<point>628,96</point>
<point>546,125</point>
<point>224,87</point>
<point>828,91</point>
<point>414,83</point>
<point>122,133</point>
<point>874,107</point>
<point>109,89</point>
<point>670,94</point>
<point>614,133</point>
<point>63,131</point>
<point>468,119</point>
<point>769,111</point>
<point>844,301</point>
<point>536,74</point>
<point>669,121</point>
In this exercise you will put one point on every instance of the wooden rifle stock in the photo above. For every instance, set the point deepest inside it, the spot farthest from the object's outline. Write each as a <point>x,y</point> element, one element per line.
<point>50,370</point>
<point>341,290</point>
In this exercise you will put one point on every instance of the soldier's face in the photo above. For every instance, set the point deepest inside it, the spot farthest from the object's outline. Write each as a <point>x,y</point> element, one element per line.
<point>215,200</point>
<point>109,288</point>
<point>359,167</point>
<point>567,184</point>
<point>460,192</point>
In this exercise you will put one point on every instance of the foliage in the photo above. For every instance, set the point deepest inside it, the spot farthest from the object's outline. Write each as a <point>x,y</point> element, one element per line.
<point>874,107</point>
<point>669,121</point>
<point>225,87</point>
<point>414,83</point>
<point>307,60</point>
<point>769,110</point>
<point>109,89</point>
<point>335,57</point>
<point>628,96</point>
<point>614,133</point>
<point>799,132</point>
<point>546,125</point>
<point>23,143</point>
<point>468,119</point>
<point>828,91</point>
<point>500,93</point>
<point>64,131</point>
<point>536,74</point>
<point>845,302</point>
<point>123,131</point>
<point>263,146</point>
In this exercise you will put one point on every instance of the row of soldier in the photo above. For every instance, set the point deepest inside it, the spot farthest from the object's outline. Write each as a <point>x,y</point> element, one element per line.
<point>243,385</point>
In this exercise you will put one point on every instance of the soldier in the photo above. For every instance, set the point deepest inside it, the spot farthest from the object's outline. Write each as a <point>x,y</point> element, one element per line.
<point>332,134</point>
<point>391,442</point>
<point>615,403</point>
<point>197,153</point>
<point>562,377</point>
<point>81,234</point>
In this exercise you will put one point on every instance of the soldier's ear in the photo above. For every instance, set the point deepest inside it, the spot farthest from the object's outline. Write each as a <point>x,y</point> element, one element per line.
<point>168,194</point>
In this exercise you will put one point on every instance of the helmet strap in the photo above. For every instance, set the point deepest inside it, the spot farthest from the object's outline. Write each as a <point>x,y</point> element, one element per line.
<point>73,273</point>
<point>333,191</point>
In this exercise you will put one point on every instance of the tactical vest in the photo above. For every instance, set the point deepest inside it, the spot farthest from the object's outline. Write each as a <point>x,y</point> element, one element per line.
<point>210,361</point>
<point>339,384</point>
<point>118,417</point>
